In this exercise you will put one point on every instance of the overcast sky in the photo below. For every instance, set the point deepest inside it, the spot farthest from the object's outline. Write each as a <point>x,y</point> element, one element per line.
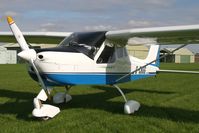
<point>84,15</point>
<point>88,15</point>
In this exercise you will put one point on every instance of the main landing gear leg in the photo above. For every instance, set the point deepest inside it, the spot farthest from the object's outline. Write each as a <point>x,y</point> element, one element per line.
<point>130,106</point>
<point>62,97</point>
<point>44,111</point>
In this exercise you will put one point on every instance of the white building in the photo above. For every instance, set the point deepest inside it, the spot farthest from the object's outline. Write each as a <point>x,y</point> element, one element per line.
<point>8,52</point>
<point>8,56</point>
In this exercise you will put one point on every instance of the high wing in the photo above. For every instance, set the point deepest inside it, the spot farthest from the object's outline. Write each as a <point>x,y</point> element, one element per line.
<point>36,37</point>
<point>163,35</point>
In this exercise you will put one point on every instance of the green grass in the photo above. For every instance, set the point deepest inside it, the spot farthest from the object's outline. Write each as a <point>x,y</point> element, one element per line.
<point>169,103</point>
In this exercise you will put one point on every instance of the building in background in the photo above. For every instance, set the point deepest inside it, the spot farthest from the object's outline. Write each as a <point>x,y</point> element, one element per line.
<point>140,52</point>
<point>8,56</point>
<point>182,55</point>
<point>8,53</point>
<point>197,58</point>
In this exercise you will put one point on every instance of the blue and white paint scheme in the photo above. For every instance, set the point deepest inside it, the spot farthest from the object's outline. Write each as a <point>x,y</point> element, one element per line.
<point>96,58</point>
<point>80,69</point>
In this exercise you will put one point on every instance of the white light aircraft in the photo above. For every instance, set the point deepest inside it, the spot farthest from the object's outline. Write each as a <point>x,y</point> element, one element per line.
<point>96,58</point>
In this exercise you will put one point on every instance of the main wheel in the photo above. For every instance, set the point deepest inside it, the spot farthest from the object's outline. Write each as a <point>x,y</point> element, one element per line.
<point>45,118</point>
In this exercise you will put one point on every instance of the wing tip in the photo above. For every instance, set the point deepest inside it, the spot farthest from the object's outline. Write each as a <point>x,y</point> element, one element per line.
<point>10,20</point>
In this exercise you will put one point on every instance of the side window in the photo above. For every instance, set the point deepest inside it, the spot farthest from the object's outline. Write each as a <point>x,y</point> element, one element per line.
<point>121,52</point>
<point>106,55</point>
<point>125,52</point>
<point>112,58</point>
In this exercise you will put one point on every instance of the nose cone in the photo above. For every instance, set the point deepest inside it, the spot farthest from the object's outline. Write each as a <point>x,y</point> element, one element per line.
<point>28,54</point>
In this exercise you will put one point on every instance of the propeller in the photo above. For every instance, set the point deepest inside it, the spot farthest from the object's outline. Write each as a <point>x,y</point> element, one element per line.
<point>27,54</point>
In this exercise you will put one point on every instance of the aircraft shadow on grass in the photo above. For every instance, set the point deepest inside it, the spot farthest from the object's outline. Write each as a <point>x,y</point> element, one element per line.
<point>20,104</point>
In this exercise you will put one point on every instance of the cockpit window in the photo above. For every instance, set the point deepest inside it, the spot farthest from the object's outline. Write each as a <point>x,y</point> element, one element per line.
<point>68,40</point>
<point>88,38</point>
<point>87,43</point>
<point>107,55</point>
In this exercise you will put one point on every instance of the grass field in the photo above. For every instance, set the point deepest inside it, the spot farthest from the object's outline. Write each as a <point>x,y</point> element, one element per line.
<point>169,103</point>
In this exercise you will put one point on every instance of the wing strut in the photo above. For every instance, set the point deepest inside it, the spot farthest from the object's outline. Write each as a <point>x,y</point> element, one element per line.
<point>178,71</point>
<point>121,78</point>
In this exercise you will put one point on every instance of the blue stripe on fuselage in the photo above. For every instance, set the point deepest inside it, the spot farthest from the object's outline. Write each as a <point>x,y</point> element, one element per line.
<point>92,78</point>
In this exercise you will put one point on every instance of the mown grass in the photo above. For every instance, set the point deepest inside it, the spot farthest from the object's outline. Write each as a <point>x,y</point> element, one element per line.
<point>169,103</point>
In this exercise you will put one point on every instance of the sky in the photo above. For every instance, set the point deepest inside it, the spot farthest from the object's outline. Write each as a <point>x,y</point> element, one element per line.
<point>91,15</point>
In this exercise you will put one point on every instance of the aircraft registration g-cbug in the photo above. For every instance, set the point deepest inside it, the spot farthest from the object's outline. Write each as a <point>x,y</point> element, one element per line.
<point>96,58</point>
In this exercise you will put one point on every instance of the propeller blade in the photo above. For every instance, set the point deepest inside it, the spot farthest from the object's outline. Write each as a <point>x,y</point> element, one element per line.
<point>18,34</point>
<point>26,53</point>
<point>39,78</point>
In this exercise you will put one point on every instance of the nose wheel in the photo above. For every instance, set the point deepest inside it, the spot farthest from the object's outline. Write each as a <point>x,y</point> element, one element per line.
<point>45,118</point>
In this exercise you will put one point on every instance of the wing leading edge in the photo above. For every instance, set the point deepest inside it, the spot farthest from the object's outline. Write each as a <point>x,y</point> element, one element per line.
<point>36,37</point>
<point>163,35</point>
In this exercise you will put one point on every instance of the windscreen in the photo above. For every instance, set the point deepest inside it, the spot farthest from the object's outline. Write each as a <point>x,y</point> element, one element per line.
<point>87,43</point>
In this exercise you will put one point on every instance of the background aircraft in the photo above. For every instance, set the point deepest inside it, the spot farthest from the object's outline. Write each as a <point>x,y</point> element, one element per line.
<point>96,58</point>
